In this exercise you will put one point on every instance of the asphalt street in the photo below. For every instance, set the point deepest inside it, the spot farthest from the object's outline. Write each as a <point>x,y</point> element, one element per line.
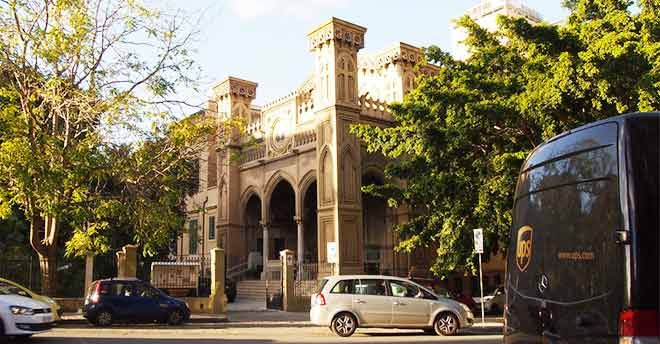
<point>247,327</point>
<point>252,333</point>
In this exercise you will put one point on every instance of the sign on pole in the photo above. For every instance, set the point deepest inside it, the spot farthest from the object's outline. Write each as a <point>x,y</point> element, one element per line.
<point>478,240</point>
<point>332,252</point>
<point>479,248</point>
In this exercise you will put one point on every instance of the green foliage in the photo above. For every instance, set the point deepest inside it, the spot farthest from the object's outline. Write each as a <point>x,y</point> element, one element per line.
<point>142,195</point>
<point>462,135</point>
<point>72,74</point>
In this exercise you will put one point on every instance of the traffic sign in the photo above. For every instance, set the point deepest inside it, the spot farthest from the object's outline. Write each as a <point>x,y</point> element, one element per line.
<point>332,255</point>
<point>479,240</point>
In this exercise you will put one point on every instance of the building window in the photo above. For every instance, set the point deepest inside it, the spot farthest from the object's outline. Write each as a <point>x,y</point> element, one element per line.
<point>192,236</point>
<point>211,227</point>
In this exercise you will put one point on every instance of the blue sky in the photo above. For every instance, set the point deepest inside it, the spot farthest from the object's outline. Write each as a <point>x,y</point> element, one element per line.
<point>265,40</point>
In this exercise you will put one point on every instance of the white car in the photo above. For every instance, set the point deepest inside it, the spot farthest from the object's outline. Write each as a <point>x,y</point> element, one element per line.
<point>345,303</point>
<point>22,316</point>
<point>493,303</point>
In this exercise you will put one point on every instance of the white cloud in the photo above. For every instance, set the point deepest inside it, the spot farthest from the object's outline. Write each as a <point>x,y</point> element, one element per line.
<point>303,9</point>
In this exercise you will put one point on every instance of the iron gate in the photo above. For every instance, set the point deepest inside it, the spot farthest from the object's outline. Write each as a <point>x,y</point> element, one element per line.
<point>306,280</point>
<point>274,283</point>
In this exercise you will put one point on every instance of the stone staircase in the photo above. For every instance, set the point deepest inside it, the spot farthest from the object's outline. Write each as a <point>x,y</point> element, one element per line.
<point>254,290</point>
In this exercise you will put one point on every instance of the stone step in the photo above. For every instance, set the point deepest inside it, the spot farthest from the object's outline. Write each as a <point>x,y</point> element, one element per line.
<point>255,289</point>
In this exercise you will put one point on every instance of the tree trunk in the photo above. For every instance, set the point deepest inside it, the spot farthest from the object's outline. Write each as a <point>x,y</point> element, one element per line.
<point>43,238</point>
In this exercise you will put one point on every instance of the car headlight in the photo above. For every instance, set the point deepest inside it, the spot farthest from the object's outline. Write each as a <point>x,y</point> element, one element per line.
<point>465,307</point>
<point>18,310</point>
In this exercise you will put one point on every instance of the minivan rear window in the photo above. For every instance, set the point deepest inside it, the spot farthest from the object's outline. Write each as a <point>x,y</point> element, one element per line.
<point>320,284</point>
<point>343,287</point>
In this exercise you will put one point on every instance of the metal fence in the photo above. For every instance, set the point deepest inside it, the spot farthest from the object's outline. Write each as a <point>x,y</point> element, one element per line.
<point>274,283</point>
<point>25,271</point>
<point>178,276</point>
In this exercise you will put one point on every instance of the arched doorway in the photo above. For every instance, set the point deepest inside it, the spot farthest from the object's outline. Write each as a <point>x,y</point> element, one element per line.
<point>379,255</point>
<point>253,236</point>
<point>310,225</point>
<point>282,226</point>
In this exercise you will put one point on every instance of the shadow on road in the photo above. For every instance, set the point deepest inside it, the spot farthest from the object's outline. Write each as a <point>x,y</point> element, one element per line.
<point>70,340</point>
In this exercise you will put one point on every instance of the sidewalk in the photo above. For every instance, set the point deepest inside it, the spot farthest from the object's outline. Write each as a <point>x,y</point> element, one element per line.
<point>76,319</point>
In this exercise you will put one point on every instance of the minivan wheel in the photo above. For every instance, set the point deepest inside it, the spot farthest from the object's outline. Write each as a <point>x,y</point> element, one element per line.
<point>104,319</point>
<point>175,318</point>
<point>344,324</point>
<point>446,324</point>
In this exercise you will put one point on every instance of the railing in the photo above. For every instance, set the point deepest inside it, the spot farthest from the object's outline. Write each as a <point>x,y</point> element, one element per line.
<point>274,271</point>
<point>375,108</point>
<point>182,276</point>
<point>25,271</point>
<point>304,137</point>
<point>237,272</point>
<point>253,154</point>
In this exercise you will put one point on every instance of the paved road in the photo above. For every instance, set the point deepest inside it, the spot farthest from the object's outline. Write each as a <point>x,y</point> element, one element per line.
<point>255,334</point>
<point>255,328</point>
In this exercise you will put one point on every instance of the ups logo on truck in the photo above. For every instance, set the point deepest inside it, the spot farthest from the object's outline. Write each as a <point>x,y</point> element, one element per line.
<point>524,248</point>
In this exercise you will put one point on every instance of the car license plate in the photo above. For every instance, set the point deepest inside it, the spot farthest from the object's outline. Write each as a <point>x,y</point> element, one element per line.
<point>47,318</point>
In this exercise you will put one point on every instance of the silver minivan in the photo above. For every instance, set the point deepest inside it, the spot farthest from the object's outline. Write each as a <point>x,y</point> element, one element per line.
<point>345,303</point>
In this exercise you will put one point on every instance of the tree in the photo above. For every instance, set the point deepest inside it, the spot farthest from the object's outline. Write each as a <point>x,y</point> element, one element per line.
<point>142,195</point>
<point>462,135</point>
<point>74,68</point>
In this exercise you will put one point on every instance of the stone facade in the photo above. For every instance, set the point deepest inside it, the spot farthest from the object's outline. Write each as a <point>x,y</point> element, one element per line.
<point>293,179</point>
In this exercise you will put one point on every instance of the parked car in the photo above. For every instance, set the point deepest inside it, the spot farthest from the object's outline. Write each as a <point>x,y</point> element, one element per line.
<point>345,303</point>
<point>493,302</point>
<point>131,300</point>
<point>583,262</point>
<point>22,316</point>
<point>23,291</point>
<point>459,297</point>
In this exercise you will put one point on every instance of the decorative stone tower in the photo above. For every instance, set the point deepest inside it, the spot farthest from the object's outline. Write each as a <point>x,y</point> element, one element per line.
<point>232,99</point>
<point>335,44</point>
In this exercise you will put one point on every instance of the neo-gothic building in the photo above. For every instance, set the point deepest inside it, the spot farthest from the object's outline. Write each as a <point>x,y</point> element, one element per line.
<point>298,186</point>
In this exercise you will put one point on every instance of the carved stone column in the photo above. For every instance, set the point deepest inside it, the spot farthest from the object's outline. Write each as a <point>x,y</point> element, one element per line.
<point>264,273</point>
<point>301,242</point>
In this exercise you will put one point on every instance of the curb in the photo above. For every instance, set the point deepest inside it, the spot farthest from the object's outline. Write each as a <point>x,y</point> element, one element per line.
<point>191,321</point>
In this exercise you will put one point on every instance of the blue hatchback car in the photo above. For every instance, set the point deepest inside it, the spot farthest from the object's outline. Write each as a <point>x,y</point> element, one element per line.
<point>131,300</point>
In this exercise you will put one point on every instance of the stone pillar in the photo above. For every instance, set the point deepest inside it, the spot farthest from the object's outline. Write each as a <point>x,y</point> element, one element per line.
<point>89,272</point>
<point>232,99</point>
<point>335,45</point>
<point>127,262</point>
<point>301,241</point>
<point>264,273</point>
<point>218,299</point>
<point>287,258</point>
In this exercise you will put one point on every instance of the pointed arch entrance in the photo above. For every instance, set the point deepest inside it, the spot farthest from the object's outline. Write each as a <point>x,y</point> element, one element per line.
<point>310,224</point>
<point>379,240</point>
<point>252,236</point>
<point>281,219</point>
